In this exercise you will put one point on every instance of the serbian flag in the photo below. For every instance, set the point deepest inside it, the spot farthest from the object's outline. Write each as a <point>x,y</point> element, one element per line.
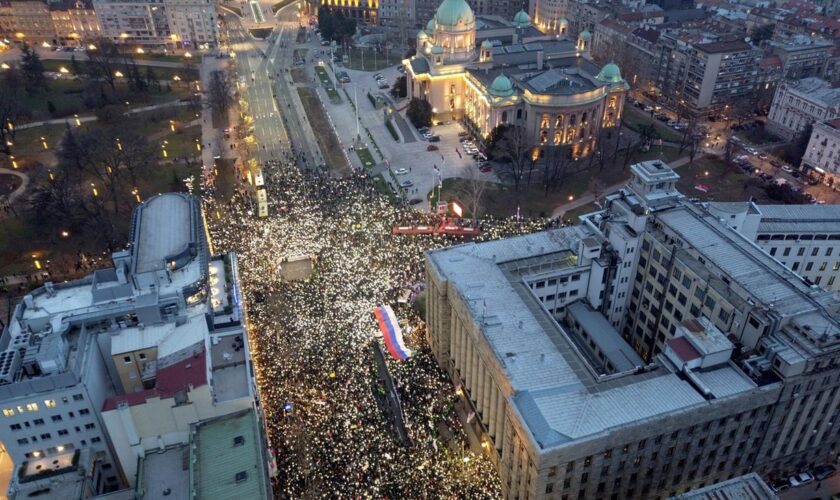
<point>702,187</point>
<point>391,332</point>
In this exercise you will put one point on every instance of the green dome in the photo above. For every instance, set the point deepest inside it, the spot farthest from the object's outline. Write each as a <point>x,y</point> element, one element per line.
<point>486,44</point>
<point>585,34</point>
<point>501,87</point>
<point>563,22</point>
<point>431,25</point>
<point>610,74</point>
<point>521,19</point>
<point>453,12</point>
<point>437,49</point>
<point>421,35</point>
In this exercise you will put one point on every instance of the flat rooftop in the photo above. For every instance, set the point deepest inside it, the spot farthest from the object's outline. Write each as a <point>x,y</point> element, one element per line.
<point>801,219</point>
<point>228,458</point>
<point>755,271</point>
<point>746,487</point>
<point>166,475</point>
<point>558,399</point>
<point>165,229</point>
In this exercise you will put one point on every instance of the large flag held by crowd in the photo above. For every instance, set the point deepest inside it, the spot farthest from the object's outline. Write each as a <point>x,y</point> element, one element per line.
<point>391,332</point>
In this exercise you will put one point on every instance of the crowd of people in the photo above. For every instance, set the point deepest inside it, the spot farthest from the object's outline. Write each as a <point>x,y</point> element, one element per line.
<point>312,340</point>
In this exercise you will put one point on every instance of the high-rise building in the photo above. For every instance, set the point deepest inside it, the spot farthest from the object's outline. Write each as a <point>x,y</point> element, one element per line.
<point>26,21</point>
<point>75,22</point>
<point>96,373</point>
<point>647,352</point>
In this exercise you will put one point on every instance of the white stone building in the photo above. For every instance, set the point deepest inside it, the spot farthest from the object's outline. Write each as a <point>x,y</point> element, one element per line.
<point>822,156</point>
<point>159,23</point>
<point>801,103</point>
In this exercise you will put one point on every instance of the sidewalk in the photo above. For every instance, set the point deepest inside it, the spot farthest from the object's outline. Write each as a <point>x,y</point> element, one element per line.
<point>90,118</point>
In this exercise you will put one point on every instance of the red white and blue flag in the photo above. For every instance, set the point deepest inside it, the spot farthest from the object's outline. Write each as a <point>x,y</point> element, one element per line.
<point>391,332</point>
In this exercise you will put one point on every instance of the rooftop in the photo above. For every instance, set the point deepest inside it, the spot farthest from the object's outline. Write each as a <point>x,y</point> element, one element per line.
<point>164,475</point>
<point>558,399</point>
<point>747,487</point>
<point>799,218</point>
<point>177,377</point>
<point>816,90</point>
<point>165,228</point>
<point>229,462</point>
<point>723,47</point>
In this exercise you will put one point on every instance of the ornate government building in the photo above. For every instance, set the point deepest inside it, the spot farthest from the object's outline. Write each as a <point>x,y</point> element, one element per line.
<point>489,71</point>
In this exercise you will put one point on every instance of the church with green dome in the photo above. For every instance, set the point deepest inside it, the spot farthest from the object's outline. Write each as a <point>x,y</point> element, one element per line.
<point>486,71</point>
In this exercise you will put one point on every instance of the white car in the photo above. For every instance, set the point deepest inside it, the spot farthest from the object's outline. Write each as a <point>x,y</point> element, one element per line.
<point>800,479</point>
<point>401,171</point>
<point>787,168</point>
<point>406,184</point>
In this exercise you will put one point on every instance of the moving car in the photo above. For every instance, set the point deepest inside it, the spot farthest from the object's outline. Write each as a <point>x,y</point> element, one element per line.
<point>431,147</point>
<point>800,479</point>
<point>406,184</point>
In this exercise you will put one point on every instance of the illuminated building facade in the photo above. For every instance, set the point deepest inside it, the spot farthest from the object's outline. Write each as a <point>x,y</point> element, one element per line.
<point>490,73</point>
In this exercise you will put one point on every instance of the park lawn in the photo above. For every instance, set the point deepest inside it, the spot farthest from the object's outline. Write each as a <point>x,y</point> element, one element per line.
<point>156,121</point>
<point>758,135</point>
<point>323,75</point>
<point>181,143</point>
<point>28,143</point>
<point>326,138</point>
<point>195,59</point>
<point>66,96</point>
<point>162,73</point>
<point>365,59</point>
<point>634,118</point>
<point>366,157</point>
<point>725,183</point>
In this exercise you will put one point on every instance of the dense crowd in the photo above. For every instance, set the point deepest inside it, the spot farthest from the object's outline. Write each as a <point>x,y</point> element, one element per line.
<point>312,340</point>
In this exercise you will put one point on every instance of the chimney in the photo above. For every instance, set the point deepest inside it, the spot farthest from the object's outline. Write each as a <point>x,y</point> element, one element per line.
<point>540,62</point>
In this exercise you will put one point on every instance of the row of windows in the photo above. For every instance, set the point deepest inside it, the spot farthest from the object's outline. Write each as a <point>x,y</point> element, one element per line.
<point>796,237</point>
<point>801,252</point>
<point>33,407</point>
<point>553,282</point>
<point>40,421</point>
<point>48,435</point>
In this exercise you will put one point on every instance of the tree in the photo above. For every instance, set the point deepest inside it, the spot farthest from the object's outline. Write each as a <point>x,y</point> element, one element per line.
<point>471,191</point>
<point>794,151</point>
<point>557,163</point>
<point>515,148</point>
<point>152,79</point>
<point>136,82</point>
<point>400,87</point>
<point>75,67</point>
<point>786,194</point>
<point>103,62</point>
<point>334,26</point>
<point>219,95</point>
<point>55,199</point>
<point>10,111</point>
<point>419,112</point>
<point>51,108</point>
<point>32,69</point>
<point>761,33</point>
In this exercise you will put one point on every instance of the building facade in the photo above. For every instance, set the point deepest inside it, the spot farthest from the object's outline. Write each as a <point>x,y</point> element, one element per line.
<point>822,156</point>
<point>75,23</point>
<point>159,23</point>
<point>802,103</point>
<point>122,362</point>
<point>26,21</point>
<point>735,365</point>
<point>803,238</point>
<point>489,74</point>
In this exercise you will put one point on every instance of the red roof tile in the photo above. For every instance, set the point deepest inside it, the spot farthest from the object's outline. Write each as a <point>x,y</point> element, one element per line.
<point>191,372</point>
<point>683,348</point>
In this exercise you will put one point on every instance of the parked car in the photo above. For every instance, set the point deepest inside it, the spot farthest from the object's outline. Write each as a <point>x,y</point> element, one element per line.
<point>779,485</point>
<point>401,171</point>
<point>434,138</point>
<point>800,479</point>
<point>406,184</point>
<point>787,168</point>
<point>431,147</point>
<point>423,130</point>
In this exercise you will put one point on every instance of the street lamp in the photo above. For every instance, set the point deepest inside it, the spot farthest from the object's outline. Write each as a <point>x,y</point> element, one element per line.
<point>63,70</point>
<point>118,74</point>
<point>44,143</point>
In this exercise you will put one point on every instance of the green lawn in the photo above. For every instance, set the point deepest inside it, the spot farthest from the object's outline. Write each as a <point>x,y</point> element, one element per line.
<point>634,118</point>
<point>366,157</point>
<point>195,59</point>
<point>162,73</point>
<point>724,183</point>
<point>326,138</point>
<point>758,135</point>
<point>28,143</point>
<point>366,59</point>
<point>327,83</point>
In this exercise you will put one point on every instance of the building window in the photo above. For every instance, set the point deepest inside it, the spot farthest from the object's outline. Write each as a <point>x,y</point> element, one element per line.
<point>49,403</point>
<point>32,407</point>
<point>8,412</point>
<point>126,359</point>
<point>84,411</point>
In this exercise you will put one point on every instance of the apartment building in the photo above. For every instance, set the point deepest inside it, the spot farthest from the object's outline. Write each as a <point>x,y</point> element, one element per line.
<point>647,352</point>
<point>719,74</point>
<point>159,23</point>
<point>26,21</point>
<point>822,155</point>
<point>74,22</point>
<point>98,372</point>
<point>801,103</point>
<point>803,57</point>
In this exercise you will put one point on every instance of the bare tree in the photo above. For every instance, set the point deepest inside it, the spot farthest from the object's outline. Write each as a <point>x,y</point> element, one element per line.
<point>104,62</point>
<point>558,164</point>
<point>471,191</point>
<point>219,92</point>
<point>10,112</point>
<point>515,147</point>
